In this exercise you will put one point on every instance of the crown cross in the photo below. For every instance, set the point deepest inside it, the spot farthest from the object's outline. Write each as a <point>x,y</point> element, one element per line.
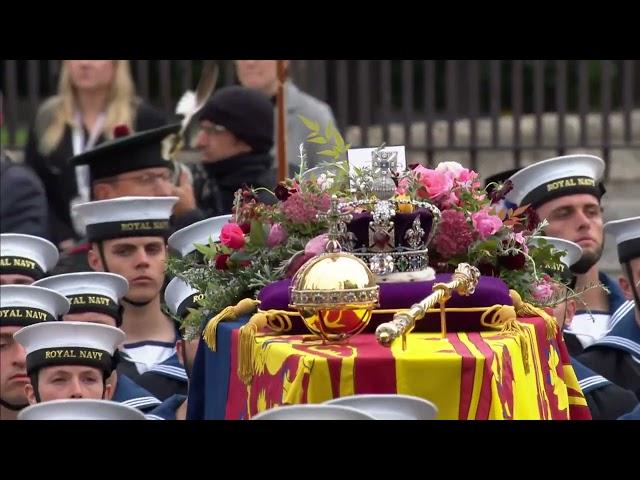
<point>334,219</point>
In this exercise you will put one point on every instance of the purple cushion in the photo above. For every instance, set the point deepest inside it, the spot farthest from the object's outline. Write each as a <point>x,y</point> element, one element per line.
<point>490,291</point>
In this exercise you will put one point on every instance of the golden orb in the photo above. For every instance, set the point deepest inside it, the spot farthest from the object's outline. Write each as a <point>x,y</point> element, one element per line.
<point>335,294</point>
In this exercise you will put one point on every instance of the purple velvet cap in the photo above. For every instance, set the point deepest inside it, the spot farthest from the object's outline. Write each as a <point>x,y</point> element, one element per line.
<point>490,291</point>
<point>359,226</point>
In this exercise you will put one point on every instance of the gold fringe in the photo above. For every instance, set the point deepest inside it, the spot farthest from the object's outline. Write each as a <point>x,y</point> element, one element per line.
<point>505,318</point>
<point>246,340</point>
<point>524,309</point>
<point>243,307</point>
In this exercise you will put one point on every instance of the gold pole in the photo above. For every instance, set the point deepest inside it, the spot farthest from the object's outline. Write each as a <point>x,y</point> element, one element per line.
<point>464,281</point>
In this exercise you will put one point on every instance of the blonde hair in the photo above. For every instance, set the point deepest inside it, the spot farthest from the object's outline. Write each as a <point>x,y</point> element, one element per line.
<point>58,112</point>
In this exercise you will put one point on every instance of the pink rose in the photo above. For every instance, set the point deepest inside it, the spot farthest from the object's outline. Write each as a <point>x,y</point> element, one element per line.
<point>542,291</point>
<point>232,236</point>
<point>457,172</point>
<point>436,183</point>
<point>468,178</point>
<point>277,235</point>
<point>485,224</point>
<point>519,239</point>
<point>316,245</point>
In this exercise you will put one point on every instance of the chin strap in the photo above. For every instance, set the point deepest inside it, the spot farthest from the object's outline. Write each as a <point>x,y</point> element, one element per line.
<point>34,384</point>
<point>634,288</point>
<point>102,257</point>
<point>137,304</point>
<point>12,406</point>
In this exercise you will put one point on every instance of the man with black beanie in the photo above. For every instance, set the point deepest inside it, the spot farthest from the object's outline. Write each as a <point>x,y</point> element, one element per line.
<point>235,138</point>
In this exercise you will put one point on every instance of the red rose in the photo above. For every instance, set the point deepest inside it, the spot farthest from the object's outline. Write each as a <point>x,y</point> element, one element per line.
<point>221,262</point>
<point>232,236</point>
<point>246,228</point>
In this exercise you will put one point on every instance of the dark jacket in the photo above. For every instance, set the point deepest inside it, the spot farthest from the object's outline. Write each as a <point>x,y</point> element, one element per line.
<point>56,173</point>
<point>23,203</point>
<point>216,183</point>
<point>616,356</point>
<point>606,400</point>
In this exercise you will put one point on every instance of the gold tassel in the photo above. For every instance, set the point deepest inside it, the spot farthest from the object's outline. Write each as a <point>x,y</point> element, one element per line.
<point>243,307</point>
<point>246,341</point>
<point>505,318</point>
<point>524,309</point>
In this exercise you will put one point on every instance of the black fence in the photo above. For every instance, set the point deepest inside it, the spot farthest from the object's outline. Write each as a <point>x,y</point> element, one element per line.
<point>365,93</point>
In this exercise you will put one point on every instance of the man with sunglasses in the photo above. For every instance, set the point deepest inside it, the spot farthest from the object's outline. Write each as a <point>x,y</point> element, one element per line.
<point>132,165</point>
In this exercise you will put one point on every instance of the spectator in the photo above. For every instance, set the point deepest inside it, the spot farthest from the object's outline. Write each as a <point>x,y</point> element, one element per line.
<point>262,75</point>
<point>235,137</point>
<point>23,202</point>
<point>93,97</point>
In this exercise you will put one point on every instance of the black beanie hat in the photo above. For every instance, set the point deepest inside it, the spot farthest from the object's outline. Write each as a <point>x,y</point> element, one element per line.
<point>245,112</point>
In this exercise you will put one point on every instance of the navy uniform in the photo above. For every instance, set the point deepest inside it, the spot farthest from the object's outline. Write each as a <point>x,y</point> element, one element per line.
<point>606,401</point>
<point>162,379</point>
<point>101,292</point>
<point>616,356</point>
<point>180,297</point>
<point>26,255</point>
<point>550,179</point>
<point>633,415</point>
<point>130,393</point>
<point>153,365</point>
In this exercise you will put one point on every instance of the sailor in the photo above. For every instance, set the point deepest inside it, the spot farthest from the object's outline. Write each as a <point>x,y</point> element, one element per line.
<point>95,297</point>
<point>566,191</point>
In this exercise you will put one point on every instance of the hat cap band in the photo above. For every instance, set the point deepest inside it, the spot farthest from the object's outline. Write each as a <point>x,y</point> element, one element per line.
<point>93,303</point>
<point>24,316</point>
<point>48,357</point>
<point>628,250</point>
<point>21,266</point>
<point>190,302</point>
<point>158,227</point>
<point>561,187</point>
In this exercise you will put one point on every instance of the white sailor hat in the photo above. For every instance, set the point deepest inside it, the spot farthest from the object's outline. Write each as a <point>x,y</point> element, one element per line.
<point>308,411</point>
<point>571,253</point>
<point>556,177</point>
<point>627,235</point>
<point>80,409</point>
<point>98,292</point>
<point>126,217</point>
<point>23,305</point>
<point>390,406</point>
<point>27,255</point>
<point>200,232</point>
<point>180,296</point>
<point>70,343</point>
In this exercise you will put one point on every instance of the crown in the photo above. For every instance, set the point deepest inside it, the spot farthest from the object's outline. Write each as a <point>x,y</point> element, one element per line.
<point>390,234</point>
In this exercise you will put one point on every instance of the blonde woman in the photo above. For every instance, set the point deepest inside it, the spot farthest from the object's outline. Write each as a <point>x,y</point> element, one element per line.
<point>94,96</point>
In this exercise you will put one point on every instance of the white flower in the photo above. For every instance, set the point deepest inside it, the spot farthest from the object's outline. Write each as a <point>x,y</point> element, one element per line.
<point>453,167</point>
<point>325,181</point>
